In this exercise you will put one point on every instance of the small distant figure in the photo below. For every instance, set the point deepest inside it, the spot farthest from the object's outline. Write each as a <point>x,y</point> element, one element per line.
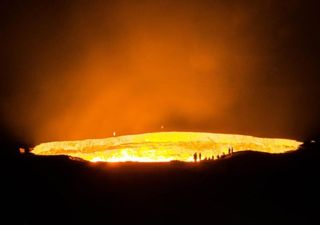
<point>231,150</point>
<point>218,156</point>
<point>200,156</point>
<point>212,158</point>
<point>195,157</point>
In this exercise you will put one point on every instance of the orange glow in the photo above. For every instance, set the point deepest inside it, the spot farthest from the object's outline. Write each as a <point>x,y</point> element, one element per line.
<point>22,150</point>
<point>162,146</point>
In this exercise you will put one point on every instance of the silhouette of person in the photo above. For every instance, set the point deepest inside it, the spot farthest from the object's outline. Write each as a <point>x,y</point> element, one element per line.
<point>200,156</point>
<point>195,157</point>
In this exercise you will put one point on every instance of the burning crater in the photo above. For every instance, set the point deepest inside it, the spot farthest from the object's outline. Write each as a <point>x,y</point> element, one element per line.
<point>162,146</point>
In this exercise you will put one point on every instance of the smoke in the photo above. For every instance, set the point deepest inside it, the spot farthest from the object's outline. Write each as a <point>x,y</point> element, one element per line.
<point>85,69</point>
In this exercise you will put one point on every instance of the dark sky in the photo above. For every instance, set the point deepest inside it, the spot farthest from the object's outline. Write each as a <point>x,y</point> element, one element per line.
<point>83,69</point>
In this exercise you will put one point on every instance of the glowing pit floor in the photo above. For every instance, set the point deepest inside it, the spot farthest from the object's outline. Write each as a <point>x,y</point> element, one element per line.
<point>163,146</point>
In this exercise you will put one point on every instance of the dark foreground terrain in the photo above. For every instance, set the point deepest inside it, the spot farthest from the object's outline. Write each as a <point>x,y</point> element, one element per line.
<point>247,188</point>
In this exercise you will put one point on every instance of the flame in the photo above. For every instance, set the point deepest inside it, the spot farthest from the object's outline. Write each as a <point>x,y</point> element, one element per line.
<point>163,146</point>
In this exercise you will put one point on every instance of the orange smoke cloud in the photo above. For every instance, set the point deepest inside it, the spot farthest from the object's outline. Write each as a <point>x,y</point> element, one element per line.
<point>133,67</point>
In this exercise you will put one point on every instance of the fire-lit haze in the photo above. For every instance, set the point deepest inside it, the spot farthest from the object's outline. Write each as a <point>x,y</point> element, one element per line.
<point>164,147</point>
<point>85,69</point>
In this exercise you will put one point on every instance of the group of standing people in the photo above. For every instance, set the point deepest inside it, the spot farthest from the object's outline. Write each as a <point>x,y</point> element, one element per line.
<point>197,156</point>
<point>230,150</point>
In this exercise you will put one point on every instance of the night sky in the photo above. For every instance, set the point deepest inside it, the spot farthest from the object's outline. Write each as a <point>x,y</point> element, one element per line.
<point>83,69</point>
